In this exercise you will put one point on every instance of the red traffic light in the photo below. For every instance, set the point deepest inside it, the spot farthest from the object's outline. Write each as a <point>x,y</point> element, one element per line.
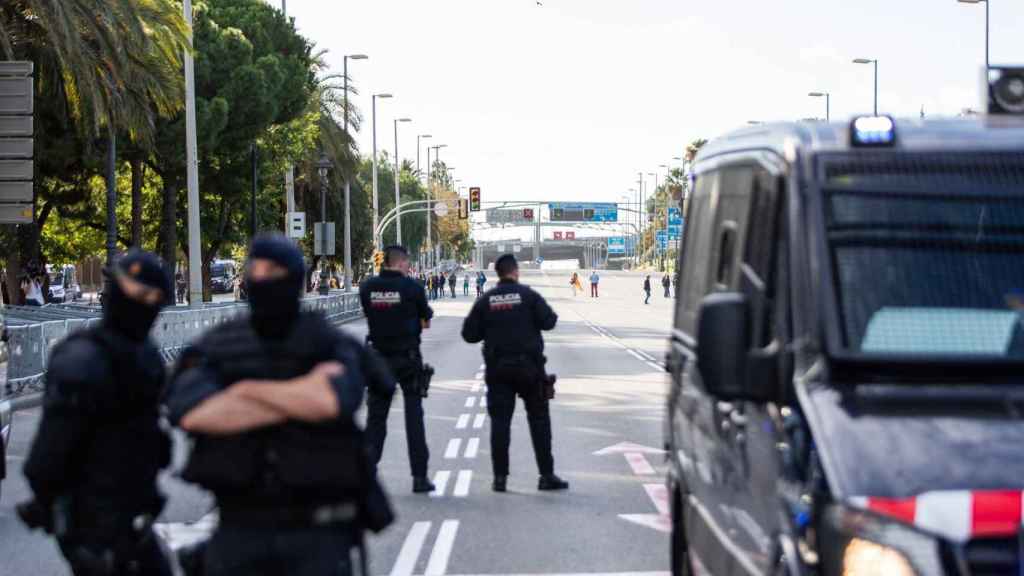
<point>474,199</point>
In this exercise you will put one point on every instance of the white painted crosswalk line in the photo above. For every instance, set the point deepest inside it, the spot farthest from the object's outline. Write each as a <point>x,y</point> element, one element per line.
<point>438,563</point>
<point>471,402</point>
<point>453,448</point>
<point>462,422</point>
<point>462,483</point>
<point>440,483</point>
<point>478,422</point>
<point>410,552</point>
<point>472,447</point>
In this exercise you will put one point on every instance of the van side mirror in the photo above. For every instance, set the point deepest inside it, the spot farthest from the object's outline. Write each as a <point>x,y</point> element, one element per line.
<point>728,367</point>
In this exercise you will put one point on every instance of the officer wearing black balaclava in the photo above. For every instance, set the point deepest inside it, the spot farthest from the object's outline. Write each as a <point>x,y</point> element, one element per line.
<point>269,399</point>
<point>94,462</point>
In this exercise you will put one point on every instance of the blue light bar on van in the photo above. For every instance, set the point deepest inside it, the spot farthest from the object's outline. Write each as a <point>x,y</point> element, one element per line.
<point>873,131</point>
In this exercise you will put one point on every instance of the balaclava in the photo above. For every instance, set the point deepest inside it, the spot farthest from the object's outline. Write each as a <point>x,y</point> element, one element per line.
<point>126,315</point>
<point>275,303</point>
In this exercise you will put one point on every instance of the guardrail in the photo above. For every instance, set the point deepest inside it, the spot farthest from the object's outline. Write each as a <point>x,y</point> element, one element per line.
<point>33,332</point>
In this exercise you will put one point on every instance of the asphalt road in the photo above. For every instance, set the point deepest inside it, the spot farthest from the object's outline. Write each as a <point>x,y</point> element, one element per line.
<point>607,421</point>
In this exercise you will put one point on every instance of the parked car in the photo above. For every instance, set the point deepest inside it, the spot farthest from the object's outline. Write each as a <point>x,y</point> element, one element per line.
<point>64,285</point>
<point>222,276</point>
<point>847,356</point>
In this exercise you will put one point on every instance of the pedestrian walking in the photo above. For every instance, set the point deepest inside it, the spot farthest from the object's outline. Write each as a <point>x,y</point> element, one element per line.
<point>508,319</point>
<point>269,400</point>
<point>397,313</point>
<point>647,289</point>
<point>574,281</point>
<point>594,279</point>
<point>666,283</point>
<point>94,462</point>
<point>452,280</point>
<point>465,285</point>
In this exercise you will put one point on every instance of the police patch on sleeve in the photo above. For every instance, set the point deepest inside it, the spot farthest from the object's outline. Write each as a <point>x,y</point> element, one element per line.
<point>505,301</point>
<point>385,299</point>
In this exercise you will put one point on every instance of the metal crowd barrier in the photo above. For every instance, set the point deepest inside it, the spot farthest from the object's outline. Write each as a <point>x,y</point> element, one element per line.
<point>34,331</point>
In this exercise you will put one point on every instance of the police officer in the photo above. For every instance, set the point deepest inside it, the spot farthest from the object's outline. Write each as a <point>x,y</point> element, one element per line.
<point>269,399</point>
<point>94,462</point>
<point>397,313</point>
<point>509,319</point>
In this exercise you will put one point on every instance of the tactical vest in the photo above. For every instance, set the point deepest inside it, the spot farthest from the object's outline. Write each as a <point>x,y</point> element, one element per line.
<point>125,447</point>
<point>293,463</point>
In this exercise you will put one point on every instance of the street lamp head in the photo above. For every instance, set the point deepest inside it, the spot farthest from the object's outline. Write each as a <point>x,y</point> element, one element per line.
<point>662,165</point>
<point>441,146</point>
<point>323,165</point>
<point>651,174</point>
<point>680,158</point>
<point>357,57</point>
<point>971,1</point>
<point>405,120</point>
<point>425,136</point>
<point>863,61</point>
<point>818,94</point>
<point>384,95</point>
<point>754,122</point>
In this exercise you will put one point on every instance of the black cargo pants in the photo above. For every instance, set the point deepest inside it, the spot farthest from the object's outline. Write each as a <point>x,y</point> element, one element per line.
<point>275,551</point>
<point>507,378</point>
<point>406,366</point>
<point>95,557</point>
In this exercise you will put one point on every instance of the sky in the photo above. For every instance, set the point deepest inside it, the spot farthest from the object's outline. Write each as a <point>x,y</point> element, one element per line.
<point>569,99</point>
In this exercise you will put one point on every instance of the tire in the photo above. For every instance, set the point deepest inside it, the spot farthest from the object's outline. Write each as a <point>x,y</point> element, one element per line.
<point>680,552</point>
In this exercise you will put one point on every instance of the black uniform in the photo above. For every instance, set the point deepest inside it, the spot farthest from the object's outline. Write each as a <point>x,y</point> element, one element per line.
<point>395,307</point>
<point>509,319</point>
<point>94,462</point>
<point>293,497</point>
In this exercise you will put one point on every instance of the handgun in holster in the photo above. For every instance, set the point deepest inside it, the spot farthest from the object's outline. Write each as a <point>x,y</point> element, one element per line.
<point>426,375</point>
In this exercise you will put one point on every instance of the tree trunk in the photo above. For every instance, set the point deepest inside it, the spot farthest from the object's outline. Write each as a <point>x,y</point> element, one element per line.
<point>137,174</point>
<point>169,226</point>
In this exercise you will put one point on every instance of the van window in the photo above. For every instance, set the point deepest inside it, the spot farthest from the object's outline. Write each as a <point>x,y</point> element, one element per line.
<point>695,256</point>
<point>726,255</point>
<point>731,223</point>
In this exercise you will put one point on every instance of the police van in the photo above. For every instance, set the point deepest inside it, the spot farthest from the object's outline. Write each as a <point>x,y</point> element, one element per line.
<point>847,355</point>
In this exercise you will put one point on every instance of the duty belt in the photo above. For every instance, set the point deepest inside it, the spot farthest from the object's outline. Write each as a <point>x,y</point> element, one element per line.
<point>290,516</point>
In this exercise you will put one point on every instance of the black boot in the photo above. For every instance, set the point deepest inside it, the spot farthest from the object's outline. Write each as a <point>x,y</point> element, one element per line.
<point>552,482</point>
<point>500,484</point>
<point>422,485</point>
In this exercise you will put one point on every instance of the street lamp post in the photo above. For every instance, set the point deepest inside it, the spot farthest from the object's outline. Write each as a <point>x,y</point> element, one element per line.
<point>987,65</point>
<point>348,190</point>
<point>322,166</point>
<point>641,201</point>
<point>430,193</point>
<point>828,103</point>
<point>668,223</point>
<point>875,62</point>
<point>373,99</point>
<point>398,194</point>
<point>418,136</point>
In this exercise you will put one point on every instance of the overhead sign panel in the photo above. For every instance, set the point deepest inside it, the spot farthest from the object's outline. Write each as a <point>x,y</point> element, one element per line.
<point>510,215</point>
<point>616,245</point>
<point>584,211</point>
<point>675,217</point>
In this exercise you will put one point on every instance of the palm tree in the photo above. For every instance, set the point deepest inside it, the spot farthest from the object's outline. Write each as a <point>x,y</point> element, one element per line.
<point>105,65</point>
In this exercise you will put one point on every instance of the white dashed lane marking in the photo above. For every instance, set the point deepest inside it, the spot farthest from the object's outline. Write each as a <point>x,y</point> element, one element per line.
<point>478,422</point>
<point>411,548</point>
<point>462,422</point>
<point>462,484</point>
<point>471,402</point>
<point>453,448</point>
<point>472,447</point>
<point>440,483</point>
<point>438,563</point>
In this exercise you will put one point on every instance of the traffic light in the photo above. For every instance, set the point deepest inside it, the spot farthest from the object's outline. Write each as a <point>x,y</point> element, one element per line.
<point>378,259</point>
<point>474,199</point>
<point>463,209</point>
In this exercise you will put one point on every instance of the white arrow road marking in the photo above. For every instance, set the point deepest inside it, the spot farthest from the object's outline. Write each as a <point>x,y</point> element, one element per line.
<point>410,553</point>
<point>438,563</point>
<point>661,521</point>
<point>453,448</point>
<point>472,447</point>
<point>478,422</point>
<point>440,483</point>
<point>463,422</point>
<point>181,534</point>
<point>462,484</point>
<point>638,462</point>
<point>623,447</point>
